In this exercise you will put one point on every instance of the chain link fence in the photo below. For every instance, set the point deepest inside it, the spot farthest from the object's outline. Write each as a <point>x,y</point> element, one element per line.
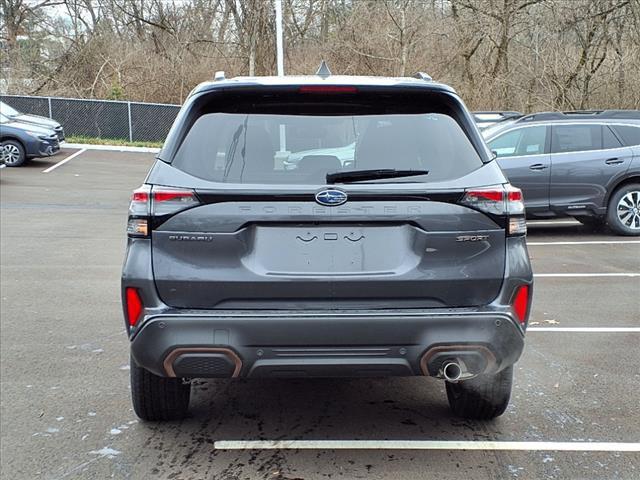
<point>107,119</point>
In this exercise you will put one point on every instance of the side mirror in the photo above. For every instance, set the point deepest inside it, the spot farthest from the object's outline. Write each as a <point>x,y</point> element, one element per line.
<point>494,154</point>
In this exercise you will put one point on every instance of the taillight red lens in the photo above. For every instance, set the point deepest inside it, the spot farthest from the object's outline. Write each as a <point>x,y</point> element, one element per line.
<point>515,195</point>
<point>140,195</point>
<point>489,200</point>
<point>521,303</point>
<point>167,201</point>
<point>139,205</point>
<point>167,196</point>
<point>491,195</point>
<point>500,200</point>
<point>134,305</point>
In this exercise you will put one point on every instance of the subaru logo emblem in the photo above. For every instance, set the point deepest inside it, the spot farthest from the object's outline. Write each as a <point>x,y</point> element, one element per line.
<point>331,197</point>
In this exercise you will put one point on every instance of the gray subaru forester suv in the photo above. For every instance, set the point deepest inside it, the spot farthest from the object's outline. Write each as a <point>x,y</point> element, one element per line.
<point>409,260</point>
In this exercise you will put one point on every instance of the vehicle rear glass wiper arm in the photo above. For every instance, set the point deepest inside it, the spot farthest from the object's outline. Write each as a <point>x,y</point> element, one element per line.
<point>360,175</point>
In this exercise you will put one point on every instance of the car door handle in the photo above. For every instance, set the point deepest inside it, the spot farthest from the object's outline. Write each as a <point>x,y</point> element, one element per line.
<point>537,166</point>
<point>613,161</point>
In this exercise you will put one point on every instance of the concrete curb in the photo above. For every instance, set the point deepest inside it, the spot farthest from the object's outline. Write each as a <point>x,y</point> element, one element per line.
<point>111,148</point>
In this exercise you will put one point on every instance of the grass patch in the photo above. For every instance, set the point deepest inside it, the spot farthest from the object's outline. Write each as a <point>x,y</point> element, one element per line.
<point>120,142</point>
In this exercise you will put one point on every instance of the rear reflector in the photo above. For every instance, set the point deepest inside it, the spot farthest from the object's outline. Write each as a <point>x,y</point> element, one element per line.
<point>521,303</point>
<point>328,89</point>
<point>134,305</point>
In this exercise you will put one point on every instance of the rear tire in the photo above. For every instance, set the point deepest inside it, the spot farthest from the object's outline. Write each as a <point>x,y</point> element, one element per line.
<point>13,153</point>
<point>623,213</point>
<point>158,398</point>
<point>483,397</point>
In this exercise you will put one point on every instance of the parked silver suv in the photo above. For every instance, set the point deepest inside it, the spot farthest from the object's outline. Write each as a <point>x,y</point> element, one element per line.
<point>409,260</point>
<point>580,164</point>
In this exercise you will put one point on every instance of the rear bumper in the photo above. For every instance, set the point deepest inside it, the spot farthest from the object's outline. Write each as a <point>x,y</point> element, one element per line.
<point>332,344</point>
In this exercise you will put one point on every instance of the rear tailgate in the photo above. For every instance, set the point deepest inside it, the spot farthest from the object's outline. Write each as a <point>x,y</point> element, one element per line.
<point>297,254</point>
<point>259,237</point>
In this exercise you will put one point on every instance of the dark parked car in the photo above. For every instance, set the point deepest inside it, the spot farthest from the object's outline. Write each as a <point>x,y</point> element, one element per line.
<point>15,115</point>
<point>580,164</point>
<point>410,260</point>
<point>20,142</point>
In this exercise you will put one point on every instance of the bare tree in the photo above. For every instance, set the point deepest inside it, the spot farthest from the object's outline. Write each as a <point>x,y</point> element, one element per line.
<point>521,54</point>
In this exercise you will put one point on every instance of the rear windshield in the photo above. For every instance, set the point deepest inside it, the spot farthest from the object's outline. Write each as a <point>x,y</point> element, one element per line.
<point>303,149</point>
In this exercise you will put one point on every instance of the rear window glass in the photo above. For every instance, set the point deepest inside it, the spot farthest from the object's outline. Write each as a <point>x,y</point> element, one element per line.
<point>520,142</point>
<point>576,138</point>
<point>609,140</point>
<point>302,149</point>
<point>630,135</point>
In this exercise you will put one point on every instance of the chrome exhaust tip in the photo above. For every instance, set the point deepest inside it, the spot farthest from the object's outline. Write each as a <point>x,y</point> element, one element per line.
<point>452,371</point>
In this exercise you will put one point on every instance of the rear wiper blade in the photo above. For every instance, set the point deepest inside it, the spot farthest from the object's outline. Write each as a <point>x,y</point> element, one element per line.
<point>360,175</point>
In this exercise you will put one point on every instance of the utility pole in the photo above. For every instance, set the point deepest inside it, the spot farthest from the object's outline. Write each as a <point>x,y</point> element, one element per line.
<point>279,46</point>
<point>282,154</point>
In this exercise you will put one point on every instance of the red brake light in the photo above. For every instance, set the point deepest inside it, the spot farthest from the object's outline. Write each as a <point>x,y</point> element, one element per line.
<point>140,195</point>
<point>515,195</point>
<point>521,303</point>
<point>489,200</point>
<point>490,195</point>
<point>167,201</point>
<point>500,200</point>
<point>168,195</point>
<point>134,305</point>
<point>327,89</point>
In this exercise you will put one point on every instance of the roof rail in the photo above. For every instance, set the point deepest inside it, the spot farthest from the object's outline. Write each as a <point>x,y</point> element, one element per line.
<point>581,114</point>
<point>423,76</point>
<point>505,113</point>
<point>634,114</point>
<point>218,76</point>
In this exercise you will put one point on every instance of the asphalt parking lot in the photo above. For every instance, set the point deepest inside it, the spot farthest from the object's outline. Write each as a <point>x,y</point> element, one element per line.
<point>65,408</point>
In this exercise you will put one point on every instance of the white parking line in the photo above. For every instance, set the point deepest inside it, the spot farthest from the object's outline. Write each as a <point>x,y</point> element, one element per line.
<point>59,164</point>
<point>586,329</point>
<point>423,445</point>
<point>569,275</point>
<point>590,242</point>
<point>553,222</point>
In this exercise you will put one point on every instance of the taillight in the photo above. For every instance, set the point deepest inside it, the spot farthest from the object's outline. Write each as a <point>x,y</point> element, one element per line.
<point>149,202</point>
<point>500,200</point>
<point>166,201</point>
<point>521,303</point>
<point>134,305</point>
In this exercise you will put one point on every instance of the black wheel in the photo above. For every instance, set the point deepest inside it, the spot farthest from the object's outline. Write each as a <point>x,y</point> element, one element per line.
<point>158,398</point>
<point>623,213</point>
<point>594,223</point>
<point>13,153</point>
<point>483,397</point>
